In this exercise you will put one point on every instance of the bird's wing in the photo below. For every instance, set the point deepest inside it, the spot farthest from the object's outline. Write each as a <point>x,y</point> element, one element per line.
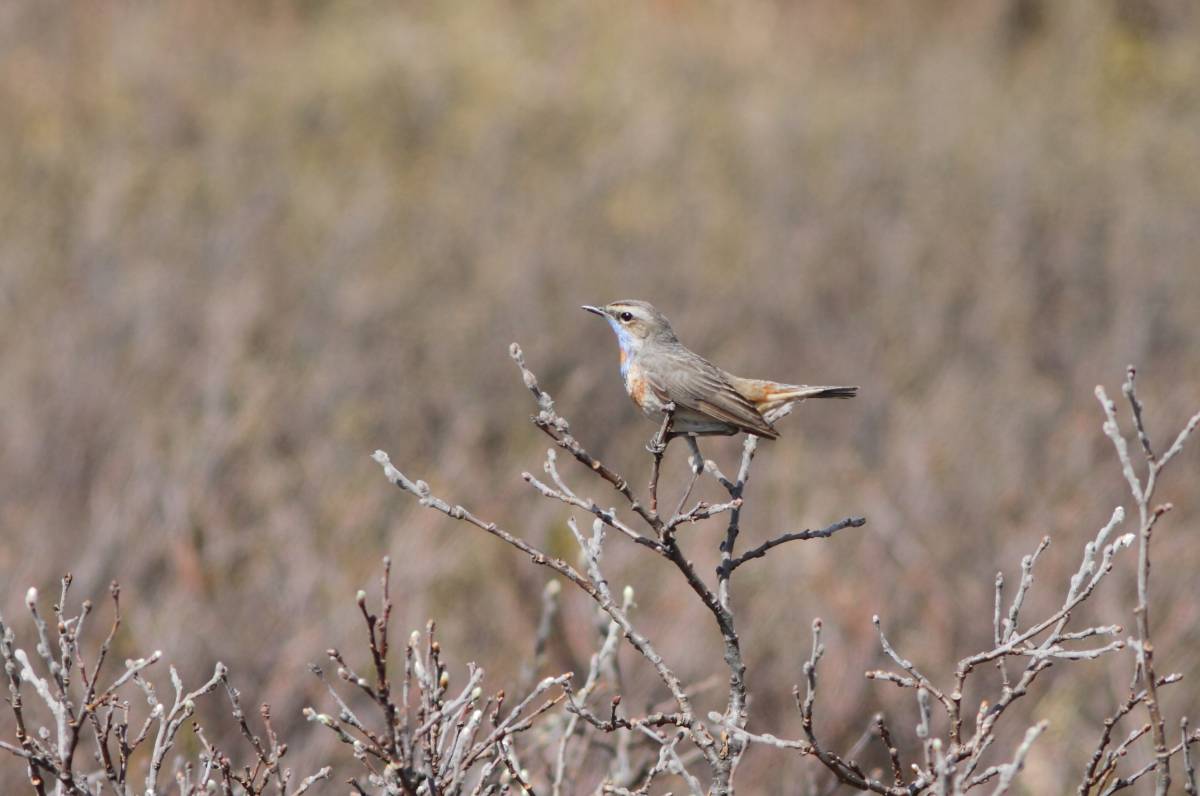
<point>690,381</point>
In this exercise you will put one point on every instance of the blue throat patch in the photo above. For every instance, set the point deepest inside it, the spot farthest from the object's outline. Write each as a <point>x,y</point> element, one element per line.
<point>627,343</point>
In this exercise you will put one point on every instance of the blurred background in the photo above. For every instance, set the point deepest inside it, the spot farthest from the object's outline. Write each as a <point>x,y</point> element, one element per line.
<point>245,244</point>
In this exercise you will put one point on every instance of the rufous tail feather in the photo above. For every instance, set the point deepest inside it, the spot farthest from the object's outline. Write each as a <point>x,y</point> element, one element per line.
<point>768,395</point>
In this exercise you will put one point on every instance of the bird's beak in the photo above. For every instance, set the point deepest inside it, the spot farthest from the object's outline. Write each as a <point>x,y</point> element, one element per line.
<point>596,310</point>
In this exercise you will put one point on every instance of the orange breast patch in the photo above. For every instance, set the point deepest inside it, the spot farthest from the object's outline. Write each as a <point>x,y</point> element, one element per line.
<point>635,384</point>
<point>637,388</point>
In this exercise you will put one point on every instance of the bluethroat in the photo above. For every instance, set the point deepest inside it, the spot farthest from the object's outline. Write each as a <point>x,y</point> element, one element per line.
<point>661,375</point>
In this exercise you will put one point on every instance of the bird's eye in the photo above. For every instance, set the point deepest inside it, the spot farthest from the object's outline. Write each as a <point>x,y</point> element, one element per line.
<point>626,316</point>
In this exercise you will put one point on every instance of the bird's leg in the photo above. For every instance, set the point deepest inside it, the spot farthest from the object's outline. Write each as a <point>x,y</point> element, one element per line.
<point>696,460</point>
<point>657,447</point>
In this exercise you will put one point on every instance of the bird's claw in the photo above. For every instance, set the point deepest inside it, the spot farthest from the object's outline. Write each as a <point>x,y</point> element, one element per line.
<point>658,443</point>
<point>655,447</point>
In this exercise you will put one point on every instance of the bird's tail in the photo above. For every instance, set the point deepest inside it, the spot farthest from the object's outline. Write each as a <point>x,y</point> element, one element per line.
<point>768,395</point>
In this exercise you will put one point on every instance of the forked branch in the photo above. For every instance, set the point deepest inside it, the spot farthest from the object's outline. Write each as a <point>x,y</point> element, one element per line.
<point>660,536</point>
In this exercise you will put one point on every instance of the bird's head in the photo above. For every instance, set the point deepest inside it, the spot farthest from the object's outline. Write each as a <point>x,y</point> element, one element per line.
<point>635,322</point>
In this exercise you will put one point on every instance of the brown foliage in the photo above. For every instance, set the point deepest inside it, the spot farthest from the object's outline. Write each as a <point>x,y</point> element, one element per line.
<point>245,245</point>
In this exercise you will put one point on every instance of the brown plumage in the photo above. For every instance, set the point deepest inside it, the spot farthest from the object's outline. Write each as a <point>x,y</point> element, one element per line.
<point>658,369</point>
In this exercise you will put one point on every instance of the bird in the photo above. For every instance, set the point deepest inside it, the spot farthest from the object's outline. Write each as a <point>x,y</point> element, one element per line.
<point>664,377</point>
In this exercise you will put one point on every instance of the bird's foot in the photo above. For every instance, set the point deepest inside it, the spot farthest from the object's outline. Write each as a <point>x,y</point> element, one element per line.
<point>658,443</point>
<point>657,446</point>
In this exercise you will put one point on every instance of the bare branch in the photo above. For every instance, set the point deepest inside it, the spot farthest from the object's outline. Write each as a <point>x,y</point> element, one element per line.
<point>794,536</point>
<point>1009,772</point>
<point>1143,495</point>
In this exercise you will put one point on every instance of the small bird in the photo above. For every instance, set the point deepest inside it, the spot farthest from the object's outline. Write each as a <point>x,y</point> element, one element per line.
<point>660,372</point>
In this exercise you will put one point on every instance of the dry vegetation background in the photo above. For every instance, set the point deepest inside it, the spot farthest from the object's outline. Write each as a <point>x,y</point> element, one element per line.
<point>242,245</point>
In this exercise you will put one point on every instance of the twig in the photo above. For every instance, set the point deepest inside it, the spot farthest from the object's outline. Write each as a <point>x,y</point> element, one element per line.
<point>1189,769</point>
<point>822,533</point>
<point>696,463</point>
<point>550,594</point>
<point>657,447</point>
<point>559,430</point>
<point>885,735</point>
<point>605,601</point>
<point>1009,772</point>
<point>1143,494</point>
